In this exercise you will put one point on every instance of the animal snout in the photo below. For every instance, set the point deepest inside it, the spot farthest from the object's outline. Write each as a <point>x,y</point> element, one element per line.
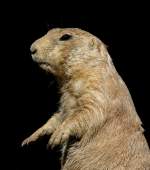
<point>33,50</point>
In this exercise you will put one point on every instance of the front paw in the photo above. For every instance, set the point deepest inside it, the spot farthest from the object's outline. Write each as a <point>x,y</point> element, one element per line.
<point>59,136</point>
<point>44,130</point>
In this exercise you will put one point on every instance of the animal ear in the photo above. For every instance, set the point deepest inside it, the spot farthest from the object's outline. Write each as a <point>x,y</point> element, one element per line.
<point>93,44</point>
<point>101,48</point>
<point>96,44</point>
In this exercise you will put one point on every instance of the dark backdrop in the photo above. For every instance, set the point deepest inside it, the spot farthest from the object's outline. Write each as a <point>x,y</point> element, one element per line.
<point>32,95</point>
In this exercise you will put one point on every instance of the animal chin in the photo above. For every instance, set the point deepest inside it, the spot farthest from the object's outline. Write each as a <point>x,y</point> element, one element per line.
<point>45,66</point>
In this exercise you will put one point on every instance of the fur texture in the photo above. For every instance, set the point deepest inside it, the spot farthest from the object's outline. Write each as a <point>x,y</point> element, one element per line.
<point>96,124</point>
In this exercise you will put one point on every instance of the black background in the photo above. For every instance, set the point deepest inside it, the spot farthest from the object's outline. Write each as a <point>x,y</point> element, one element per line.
<point>31,95</point>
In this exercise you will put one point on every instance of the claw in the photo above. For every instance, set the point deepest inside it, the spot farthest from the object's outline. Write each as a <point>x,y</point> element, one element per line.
<point>58,138</point>
<point>34,136</point>
<point>25,142</point>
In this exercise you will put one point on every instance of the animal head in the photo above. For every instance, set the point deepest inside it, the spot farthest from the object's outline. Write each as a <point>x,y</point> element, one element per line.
<point>63,49</point>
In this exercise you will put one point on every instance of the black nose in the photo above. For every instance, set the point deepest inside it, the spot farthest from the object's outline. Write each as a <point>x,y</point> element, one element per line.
<point>33,50</point>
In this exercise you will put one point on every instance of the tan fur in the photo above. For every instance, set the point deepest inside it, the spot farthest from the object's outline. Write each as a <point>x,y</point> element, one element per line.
<point>96,123</point>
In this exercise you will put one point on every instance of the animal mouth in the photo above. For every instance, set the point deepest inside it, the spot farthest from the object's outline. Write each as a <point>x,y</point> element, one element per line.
<point>47,67</point>
<point>44,64</point>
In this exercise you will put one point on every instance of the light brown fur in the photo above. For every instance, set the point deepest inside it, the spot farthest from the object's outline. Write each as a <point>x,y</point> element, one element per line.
<point>96,123</point>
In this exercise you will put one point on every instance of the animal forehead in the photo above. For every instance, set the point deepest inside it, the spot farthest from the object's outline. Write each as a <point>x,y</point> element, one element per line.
<point>72,31</point>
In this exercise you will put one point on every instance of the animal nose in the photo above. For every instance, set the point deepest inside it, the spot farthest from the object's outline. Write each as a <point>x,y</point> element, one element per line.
<point>33,50</point>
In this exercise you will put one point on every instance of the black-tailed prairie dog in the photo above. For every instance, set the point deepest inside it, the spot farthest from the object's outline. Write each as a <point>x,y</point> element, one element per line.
<point>96,123</point>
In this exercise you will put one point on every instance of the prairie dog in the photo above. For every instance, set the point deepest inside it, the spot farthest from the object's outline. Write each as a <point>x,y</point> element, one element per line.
<point>96,108</point>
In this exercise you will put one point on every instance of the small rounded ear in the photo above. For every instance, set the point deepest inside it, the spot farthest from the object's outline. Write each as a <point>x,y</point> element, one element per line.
<point>93,44</point>
<point>101,48</point>
<point>96,44</point>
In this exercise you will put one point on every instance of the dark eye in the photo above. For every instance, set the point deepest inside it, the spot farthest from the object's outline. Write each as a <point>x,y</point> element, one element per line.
<point>65,37</point>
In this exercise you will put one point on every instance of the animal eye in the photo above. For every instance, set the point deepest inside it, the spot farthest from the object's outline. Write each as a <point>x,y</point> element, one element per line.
<point>65,37</point>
